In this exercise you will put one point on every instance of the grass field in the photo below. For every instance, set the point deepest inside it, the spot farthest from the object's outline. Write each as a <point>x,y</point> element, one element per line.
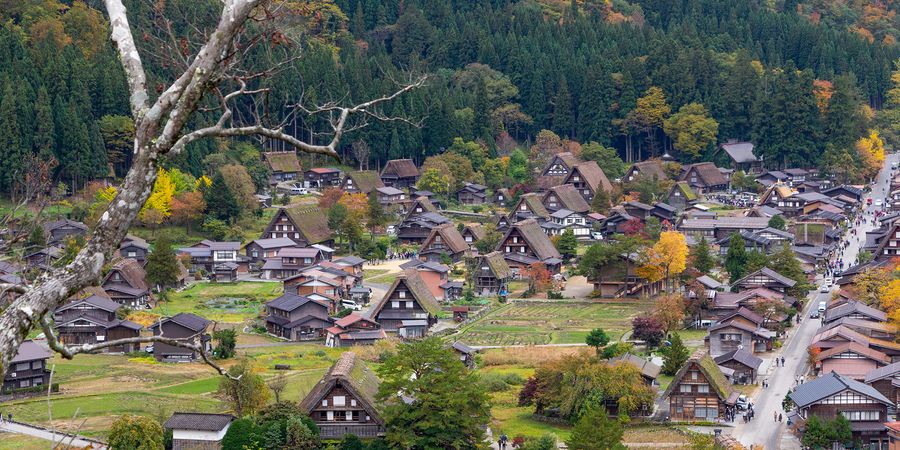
<point>97,388</point>
<point>223,302</point>
<point>528,323</point>
<point>10,441</point>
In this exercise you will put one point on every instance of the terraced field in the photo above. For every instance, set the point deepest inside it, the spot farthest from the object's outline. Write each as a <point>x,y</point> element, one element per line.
<point>531,323</point>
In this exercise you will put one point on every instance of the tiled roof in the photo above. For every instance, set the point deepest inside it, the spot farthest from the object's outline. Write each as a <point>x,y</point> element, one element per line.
<point>30,351</point>
<point>888,371</point>
<point>94,300</point>
<point>853,347</point>
<point>647,367</point>
<point>275,243</point>
<point>740,152</point>
<point>854,307</point>
<point>190,321</point>
<point>290,302</point>
<point>830,384</point>
<point>771,274</point>
<point>742,356</point>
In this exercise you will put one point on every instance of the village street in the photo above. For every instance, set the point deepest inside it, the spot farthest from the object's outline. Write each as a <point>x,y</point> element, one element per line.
<point>763,429</point>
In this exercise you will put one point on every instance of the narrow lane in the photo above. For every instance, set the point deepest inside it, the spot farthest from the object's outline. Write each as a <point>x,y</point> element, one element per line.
<point>764,429</point>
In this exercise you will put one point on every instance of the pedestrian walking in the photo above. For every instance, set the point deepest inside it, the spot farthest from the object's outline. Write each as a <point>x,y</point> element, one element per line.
<point>782,361</point>
<point>775,416</point>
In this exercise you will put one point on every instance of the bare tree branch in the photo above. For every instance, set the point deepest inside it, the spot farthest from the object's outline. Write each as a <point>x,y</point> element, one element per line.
<point>70,352</point>
<point>159,129</point>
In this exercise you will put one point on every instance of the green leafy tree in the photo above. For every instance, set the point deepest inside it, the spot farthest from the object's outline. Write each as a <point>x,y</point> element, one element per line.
<point>596,259</point>
<point>595,430</point>
<point>13,156</point>
<point>351,442</point>
<point>489,241</point>
<point>597,338</point>
<point>606,157</point>
<point>545,442</point>
<point>337,215</point>
<point>785,262</point>
<point>226,341</point>
<point>162,265</point>
<point>754,261</point>
<point>432,180</point>
<point>822,433</point>
<point>240,435</point>
<point>567,244</point>
<point>692,130</point>
<point>518,166</point>
<point>129,432</point>
<point>244,391</point>
<point>702,256</point>
<point>377,216</point>
<point>616,349</point>
<point>736,257</point>
<point>221,203</point>
<point>449,407</point>
<point>601,202</point>
<point>675,355</point>
<point>777,222</point>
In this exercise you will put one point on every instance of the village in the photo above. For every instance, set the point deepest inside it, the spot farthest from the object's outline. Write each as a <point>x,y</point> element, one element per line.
<point>730,302</point>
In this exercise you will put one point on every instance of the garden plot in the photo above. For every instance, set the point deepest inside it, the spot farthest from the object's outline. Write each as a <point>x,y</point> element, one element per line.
<point>532,323</point>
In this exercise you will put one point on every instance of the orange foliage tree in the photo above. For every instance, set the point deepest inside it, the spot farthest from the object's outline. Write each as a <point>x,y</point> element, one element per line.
<point>330,197</point>
<point>669,311</point>
<point>187,208</point>
<point>539,278</point>
<point>357,206</point>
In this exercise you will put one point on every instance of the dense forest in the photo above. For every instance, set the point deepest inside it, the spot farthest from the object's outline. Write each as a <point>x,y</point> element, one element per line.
<point>802,83</point>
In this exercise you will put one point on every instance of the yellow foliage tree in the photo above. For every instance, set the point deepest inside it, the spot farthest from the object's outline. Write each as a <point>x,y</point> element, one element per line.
<point>160,201</point>
<point>202,183</point>
<point>871,152</point>
<point>357,205</point>
<point>890,301</point>
<point>672,251</point>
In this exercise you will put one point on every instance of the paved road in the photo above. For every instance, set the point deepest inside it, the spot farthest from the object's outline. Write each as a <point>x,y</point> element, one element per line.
<point>764,429</point>
<point>50,436</point>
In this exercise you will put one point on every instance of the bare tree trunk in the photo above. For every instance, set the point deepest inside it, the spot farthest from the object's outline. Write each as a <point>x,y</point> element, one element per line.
<point>160,130</point>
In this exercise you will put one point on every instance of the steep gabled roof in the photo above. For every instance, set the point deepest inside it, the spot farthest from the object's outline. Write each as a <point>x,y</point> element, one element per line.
<point>539,243</point>
<point>422,202</point>
<point>650,168</point>
<point>497,264</point>
<point>365,180</point>
<point>710,370</point>
<point>283,161</point>
<point>740,152</point>
<point>131,271</point>
<point>198,421</point>
<point>310,221</point>
<point>840,331</point>
<point>476,230</point>
<point>592,174</point>
<point>450,235</point>
<point>686,191</point>
<point>745,313</point>
<point>708,173</point>
<point>400,168</point>
<point>534,204</point>
<point>353,375</point>
<point>569,197</point>
<point>419,289</point>
<point>275,243</point>
<point>830,384</point>
<point>50,226</point>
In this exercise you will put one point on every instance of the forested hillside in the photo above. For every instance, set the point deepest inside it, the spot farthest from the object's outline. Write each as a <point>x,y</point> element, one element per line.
<point>500,71</point>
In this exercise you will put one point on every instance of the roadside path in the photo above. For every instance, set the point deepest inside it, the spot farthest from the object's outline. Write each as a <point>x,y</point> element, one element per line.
<point>41,433</point>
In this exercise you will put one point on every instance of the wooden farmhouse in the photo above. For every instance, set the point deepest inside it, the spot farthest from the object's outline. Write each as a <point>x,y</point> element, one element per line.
<point>408,307</point>
<point>304,225</point>
<point>700,391</point>
<point>400,173</point>
<point>588,178</point>
<point>343,401</point>
<point>445,241</point>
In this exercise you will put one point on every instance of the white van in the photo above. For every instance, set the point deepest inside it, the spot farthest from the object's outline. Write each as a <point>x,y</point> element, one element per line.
<point>822,306</point>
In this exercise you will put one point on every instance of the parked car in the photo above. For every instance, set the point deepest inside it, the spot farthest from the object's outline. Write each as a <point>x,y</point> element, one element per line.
<point>351,305</point>
<point>596,235</point>
<point>742,402</point>
<point>391,230</point>
<point>149,349</point>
